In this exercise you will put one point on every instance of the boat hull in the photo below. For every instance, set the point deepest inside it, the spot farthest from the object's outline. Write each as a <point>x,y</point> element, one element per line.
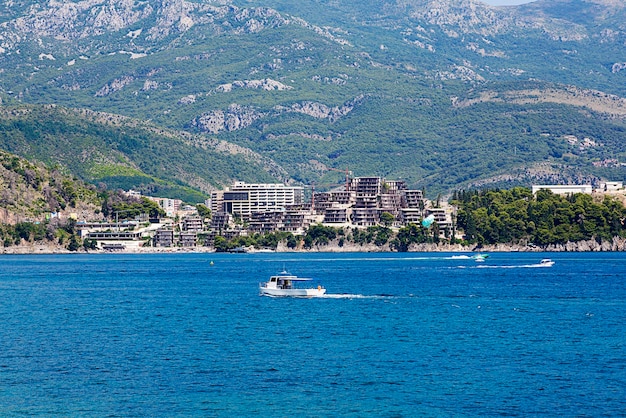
<point>301,293</point>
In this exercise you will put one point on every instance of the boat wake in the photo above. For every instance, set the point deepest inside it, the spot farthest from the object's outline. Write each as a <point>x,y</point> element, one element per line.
<point>522,266</point>
<point>351,296</point>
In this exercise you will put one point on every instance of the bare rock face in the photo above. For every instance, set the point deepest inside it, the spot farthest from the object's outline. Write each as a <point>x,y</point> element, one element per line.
<point>75,20</point>
<point>71,21</point>
<point>320,110</point>
<point>234,118</point>
<point>266,84</point>
<point>238,117</point>
<point>467,16</point>
<point>114,86</point>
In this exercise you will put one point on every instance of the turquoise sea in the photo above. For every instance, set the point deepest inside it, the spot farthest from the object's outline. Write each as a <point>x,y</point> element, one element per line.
<point>399,335</point>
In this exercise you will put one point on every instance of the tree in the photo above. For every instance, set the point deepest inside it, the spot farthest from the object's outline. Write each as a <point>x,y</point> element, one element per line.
<point>203,211</point>
<point>90,244</point>
<point>387,218</point>
<point>220,244</point>
<point>74,243</point>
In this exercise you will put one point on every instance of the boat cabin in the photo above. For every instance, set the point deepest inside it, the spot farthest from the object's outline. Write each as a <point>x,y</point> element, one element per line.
<point>284,280</point>
<point>285,284</point>
<point>280,282</point>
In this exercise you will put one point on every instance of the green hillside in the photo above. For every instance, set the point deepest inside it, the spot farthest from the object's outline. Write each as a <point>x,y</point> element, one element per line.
<point>123,153</point>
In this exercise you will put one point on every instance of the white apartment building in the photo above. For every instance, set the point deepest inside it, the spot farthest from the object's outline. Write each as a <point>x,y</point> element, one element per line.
<point>170,206</point>
<point>244,199</point>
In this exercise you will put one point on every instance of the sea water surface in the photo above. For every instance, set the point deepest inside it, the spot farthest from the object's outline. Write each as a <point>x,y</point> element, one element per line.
<point>398,335</point>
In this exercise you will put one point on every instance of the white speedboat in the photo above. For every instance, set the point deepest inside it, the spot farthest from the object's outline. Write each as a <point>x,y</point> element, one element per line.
<point>285,284</point>
<point>546,262</point>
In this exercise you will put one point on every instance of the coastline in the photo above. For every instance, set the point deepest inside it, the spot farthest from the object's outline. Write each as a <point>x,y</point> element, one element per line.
<point>617,244</point>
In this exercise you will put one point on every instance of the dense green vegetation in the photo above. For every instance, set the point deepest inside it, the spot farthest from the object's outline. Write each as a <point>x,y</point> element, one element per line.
<point>319,236</point>
<point>516,216</point>
<point>118,206</point>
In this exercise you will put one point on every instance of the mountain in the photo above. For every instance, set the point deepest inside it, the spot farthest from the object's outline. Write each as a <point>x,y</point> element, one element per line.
<point>441,93</point>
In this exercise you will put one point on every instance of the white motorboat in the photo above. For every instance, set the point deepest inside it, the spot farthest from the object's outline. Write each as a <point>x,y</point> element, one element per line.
<point>546,262</point>
<point>286,284</point>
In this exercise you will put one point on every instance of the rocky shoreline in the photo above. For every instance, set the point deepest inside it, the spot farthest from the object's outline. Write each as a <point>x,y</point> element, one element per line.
<point>616,245</point>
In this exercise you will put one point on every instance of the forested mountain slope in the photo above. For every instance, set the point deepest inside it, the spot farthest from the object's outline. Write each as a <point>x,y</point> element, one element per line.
<point>441,93</point>
<point>119,152</point>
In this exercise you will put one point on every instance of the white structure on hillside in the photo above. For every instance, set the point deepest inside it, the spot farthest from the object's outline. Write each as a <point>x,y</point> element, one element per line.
<point>564,188</point>
<point>611,186</point>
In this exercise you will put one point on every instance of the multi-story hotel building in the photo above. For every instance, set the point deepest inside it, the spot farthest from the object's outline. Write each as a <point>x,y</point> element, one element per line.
<point>244,199</point>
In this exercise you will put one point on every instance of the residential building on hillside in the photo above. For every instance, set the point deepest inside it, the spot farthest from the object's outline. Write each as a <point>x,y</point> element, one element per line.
<point>170,206</point>
<point>365,216</point>
<point>411,215</point>
<point>297,220</point>
<point>220,220</point>
<point>294,220</point>
<point>163,237</point>
<point>413,199</point>
<point>391,203</point>
<point>188,239</point>
<point>336,214</point>
<point>244,199</point>
<point>133,193</point>
<point>367,190</point>
<point>192,223</point>
<point>264,222</point>
<point>442,215</point>
<point>368,198</point>
<point>413,206</point>
<point>323,200</point>
<point>365,208</point>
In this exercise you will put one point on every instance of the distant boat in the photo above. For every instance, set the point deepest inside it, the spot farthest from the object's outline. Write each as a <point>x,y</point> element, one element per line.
<point>546,262</point>
<point>261,250</point>
<point>286,284</point>
<point>479,258</point>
